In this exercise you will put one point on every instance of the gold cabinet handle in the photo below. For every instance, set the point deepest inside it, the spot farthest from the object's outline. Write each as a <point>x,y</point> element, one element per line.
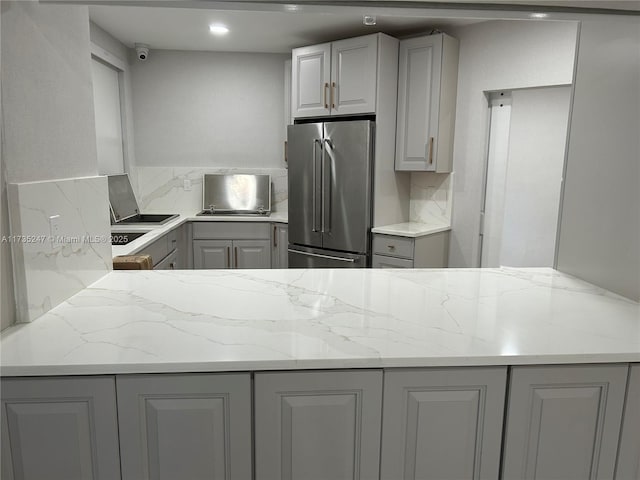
<point>275,237</point>
<point>391,247</point>
<point>228,257</point>
<point>430,150</point>
<point>326,85</point>
<point>286,152</point>
<point>235,255</point>
<point>333,87</point>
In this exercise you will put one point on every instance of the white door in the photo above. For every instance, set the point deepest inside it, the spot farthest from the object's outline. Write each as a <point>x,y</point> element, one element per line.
<point>353,75</point>
<point>310,81</point>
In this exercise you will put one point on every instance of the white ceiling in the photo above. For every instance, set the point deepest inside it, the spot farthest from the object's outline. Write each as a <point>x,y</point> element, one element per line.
<point>277,27</point>
<point>250,31</point>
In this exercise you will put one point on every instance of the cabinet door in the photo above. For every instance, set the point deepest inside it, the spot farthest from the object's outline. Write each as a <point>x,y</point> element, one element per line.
<point>185,426</point>
<point>251,254</point>
<point>59,429</point>
<point>443,424</point>
<point>381,261</point>
<point>629,455</point>
<point>418,102</point>
<point>564,422</point>
<point>318,425</point>
<point>310,81</point>
<point>353,75</point>
<point>212,253</point>
<point>279,253</point>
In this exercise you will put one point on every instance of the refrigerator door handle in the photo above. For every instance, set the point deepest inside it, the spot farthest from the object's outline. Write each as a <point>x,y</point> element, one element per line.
<point>326,212</point>
<point>315,183</point>
<point>329,257</point>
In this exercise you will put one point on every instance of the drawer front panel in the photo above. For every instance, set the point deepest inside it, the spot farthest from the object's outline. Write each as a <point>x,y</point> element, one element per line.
<point>392,245</point>
<point>158,249</point>
<point>383,261</point>
<point>231,230</point>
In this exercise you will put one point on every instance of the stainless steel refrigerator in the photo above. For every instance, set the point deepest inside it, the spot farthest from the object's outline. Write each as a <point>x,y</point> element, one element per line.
<point>330,194</point>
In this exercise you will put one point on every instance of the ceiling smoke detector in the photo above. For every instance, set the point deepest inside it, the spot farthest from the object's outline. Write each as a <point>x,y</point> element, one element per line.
<point>369,20</point>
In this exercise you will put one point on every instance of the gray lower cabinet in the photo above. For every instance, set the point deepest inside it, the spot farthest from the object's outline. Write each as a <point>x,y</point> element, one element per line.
<point>59,429</point>
<point>212,254</point>
<point>251,254</point>
<point>394,251</point>
<point>443,424</point>
<point>231,245</point>
<point>279,253</point>
<point>185,426</point>
<point>318,425</point>
<point>563,422</point>
<point>629,454</point>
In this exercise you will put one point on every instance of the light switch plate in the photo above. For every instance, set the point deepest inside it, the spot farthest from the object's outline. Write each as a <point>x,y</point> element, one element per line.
<point>187,185</point>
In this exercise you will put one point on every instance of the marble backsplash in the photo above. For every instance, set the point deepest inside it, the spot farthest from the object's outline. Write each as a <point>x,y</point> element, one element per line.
<point>161,189</point>
<point>431,198</point>
<point>49,269</point>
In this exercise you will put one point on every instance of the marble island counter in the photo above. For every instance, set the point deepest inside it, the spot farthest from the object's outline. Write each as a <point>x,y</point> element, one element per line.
<point>240,320</point>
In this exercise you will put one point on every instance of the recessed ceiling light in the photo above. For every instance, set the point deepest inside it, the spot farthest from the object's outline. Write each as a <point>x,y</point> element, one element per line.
<point>539,15</point>
<point>218,29</point>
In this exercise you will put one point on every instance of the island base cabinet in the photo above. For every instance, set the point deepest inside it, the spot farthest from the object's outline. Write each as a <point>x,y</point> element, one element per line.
<point>563,422</point>
<point>443,424</point>
<point>59,429</point>
<point>629,454</point>
<point>318,425</point>
<point>185,426</point>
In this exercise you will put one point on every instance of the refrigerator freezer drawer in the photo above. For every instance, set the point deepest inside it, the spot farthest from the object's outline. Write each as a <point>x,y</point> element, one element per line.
<point>305,257</point>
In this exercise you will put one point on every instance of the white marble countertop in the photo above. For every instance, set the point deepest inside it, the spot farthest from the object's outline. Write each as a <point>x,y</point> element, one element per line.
<point>411,229</point>
<point>154,232</point>
<point>230,320</point>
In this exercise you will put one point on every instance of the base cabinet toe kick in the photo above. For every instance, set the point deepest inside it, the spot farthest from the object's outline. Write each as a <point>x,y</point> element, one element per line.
<point>538,422</point>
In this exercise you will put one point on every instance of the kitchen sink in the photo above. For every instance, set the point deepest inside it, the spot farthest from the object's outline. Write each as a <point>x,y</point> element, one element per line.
<point>122,238</point>
<point>148,219</point>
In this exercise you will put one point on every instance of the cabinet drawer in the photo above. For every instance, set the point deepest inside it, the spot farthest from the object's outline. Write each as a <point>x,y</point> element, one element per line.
<point>383,261</point>
<point>231,230</point>
<point>158,249</point>
<point>391,245</point>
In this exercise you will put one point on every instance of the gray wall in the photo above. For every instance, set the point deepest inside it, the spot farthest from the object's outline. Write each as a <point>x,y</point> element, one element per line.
<point>209,109</point>
<point>7,305</point>
<point>600,226</point>
<point>493,56</point>
<point>47,94</point>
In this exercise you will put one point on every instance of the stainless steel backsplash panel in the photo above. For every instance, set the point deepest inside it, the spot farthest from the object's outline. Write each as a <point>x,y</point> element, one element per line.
<point>237,193</point>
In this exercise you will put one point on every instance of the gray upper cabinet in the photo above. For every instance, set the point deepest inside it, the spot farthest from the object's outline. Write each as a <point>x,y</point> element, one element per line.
<point>563,422</point>
<point>629,455</point>
<point>338,78</point>
<point>185,426</point>
<point>443,424</point>
<point>318,425</point>
<point>59,429</point>
<point>311,81</point>
<point>427,87</point>
<point>353,75</point>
